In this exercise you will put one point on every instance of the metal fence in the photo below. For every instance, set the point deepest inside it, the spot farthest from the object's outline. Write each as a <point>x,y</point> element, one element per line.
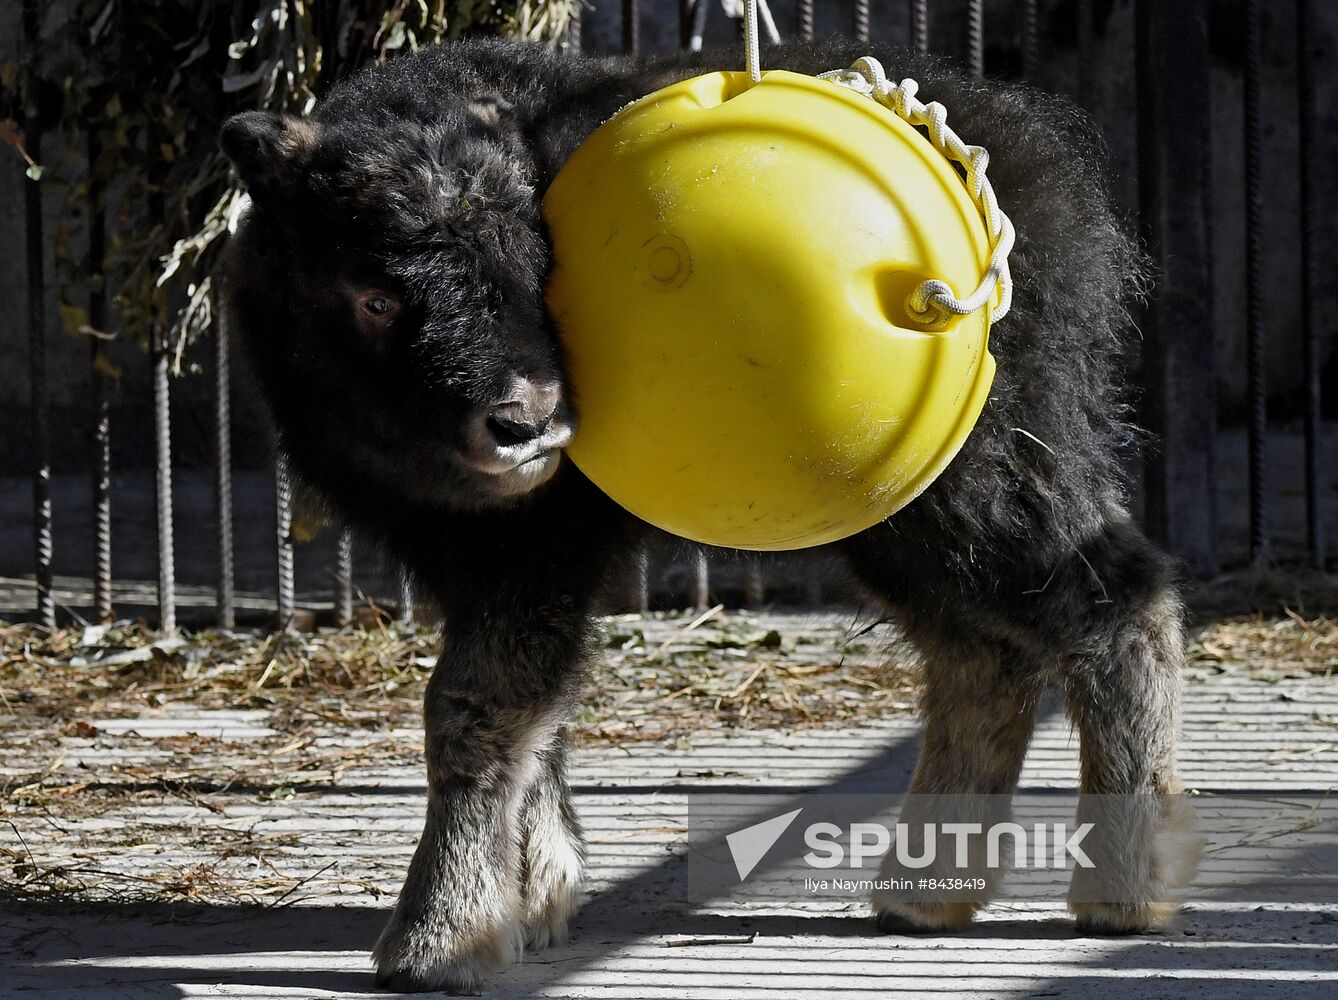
<point>1173,66</point>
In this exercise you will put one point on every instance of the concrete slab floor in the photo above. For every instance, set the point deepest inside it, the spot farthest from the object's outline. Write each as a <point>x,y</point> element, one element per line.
<point>341,846</point>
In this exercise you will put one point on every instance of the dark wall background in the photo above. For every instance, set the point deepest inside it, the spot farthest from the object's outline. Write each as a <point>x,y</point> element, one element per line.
<point>1106,84</point>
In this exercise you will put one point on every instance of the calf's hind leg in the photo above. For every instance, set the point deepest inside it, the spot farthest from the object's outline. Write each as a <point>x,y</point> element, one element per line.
<point>1121,675</point>
<point>1103,618</point>
<point>979,705</point>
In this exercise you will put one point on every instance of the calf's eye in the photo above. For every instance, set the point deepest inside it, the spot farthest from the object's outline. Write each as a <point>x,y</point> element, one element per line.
<point>379,304</point>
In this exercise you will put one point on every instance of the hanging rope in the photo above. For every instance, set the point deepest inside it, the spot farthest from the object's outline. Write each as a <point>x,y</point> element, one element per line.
<point>934,296</point>
<point>752,55</point>
<point>933,301</point>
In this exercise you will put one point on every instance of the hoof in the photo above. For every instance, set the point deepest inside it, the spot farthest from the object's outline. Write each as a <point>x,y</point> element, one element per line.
<point>1111,919</point>
<point>415,959</point>
<point>924,918</point>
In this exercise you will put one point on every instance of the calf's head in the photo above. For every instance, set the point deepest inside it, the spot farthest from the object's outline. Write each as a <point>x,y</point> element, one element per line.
<point>387,280</point>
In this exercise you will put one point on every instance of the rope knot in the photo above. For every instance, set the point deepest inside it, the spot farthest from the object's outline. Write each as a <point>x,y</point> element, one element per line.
<point>933,302</point>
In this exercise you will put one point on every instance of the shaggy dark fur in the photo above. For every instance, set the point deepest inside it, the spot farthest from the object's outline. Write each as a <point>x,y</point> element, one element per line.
<point>388,284</point>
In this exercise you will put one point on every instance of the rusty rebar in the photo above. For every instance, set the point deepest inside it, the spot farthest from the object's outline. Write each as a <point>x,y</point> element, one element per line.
<point>1031,39</point>
<point>701,580</point>
<point>162,432</point>
<point>99,404</point>
<point>1256,359</point>
<point>754,582</point>
<point>1310,325</point>
<point>406,598</point>
<point>919,25</point>
<point>285,596</point>
<point>343,596</point>
<point>975,37</point>
<point>225,600</point>
<point>35,247</point>
<point>641,581</point>
<point>804,18</point>
<point>632,27</point>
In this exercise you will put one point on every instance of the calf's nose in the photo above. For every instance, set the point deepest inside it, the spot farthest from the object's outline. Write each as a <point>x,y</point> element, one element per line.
<point>525,413</point>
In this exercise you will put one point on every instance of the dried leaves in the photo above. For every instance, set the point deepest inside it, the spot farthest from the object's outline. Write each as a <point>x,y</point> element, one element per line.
<point>103,800</point>
<point>1268,648</point>
<point>654,672</point>
<point>96,783</point>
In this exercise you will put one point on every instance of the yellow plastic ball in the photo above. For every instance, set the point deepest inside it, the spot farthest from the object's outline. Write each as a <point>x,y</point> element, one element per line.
<point>731,268</point>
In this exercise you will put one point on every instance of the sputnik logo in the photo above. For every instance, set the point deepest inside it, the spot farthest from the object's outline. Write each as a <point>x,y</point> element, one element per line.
<point>750,845</point>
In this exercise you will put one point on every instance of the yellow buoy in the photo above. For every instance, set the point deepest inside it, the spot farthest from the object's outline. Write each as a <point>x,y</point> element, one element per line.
<point>732,262</point>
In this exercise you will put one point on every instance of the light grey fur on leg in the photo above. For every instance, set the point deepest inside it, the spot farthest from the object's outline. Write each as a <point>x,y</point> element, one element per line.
<point>493,707</point>
<point>552,853</point>
<point>979,706</point>
<point>1124,696</point>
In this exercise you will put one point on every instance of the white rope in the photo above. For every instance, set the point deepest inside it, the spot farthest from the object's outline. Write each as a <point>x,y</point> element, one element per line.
<point>933,301</point>
<point>752,55</point>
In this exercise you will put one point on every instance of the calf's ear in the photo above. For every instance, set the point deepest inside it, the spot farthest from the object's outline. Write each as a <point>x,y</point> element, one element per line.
<point>493,111</point>
<point>268,149</point>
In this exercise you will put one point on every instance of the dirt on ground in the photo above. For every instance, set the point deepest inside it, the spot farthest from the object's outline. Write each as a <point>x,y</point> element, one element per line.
<point>333,704</point>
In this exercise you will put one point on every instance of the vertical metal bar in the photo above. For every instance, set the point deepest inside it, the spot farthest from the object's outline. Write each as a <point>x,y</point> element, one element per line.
<point>861,20</point>
<point>102,527</point>
<point>1086,52</point>
<point>406,598</point>
<point>975,37</point>
<point>805,20</point>
<point>343,603</point>
<point>162,429</point>
<point>920,25</point>
<point>641,581</point>
<point>1031,39</point>
<point>701,580</point>
<point>1256,363</point>
<point>754,584</point>
<point>1310,331</point>
<point>1175,204</point>
<point>97,386</point>
<point>283,538</point>
<point>225,599</point>
<point>632,27</point>
<point>41,428</point>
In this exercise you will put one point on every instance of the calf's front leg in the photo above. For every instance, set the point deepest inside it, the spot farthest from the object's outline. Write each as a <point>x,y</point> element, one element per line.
<point>552,851</point>
<point>493,712</point>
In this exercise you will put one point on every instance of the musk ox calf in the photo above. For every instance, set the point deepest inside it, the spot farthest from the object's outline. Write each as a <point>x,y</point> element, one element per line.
<point>388,283</point>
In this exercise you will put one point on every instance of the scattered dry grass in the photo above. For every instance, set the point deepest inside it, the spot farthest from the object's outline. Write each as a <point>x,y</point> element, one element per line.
<point>341,707</point>
<point>1267,648</point>
<point>336,706</point>
<point>657,677</point>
